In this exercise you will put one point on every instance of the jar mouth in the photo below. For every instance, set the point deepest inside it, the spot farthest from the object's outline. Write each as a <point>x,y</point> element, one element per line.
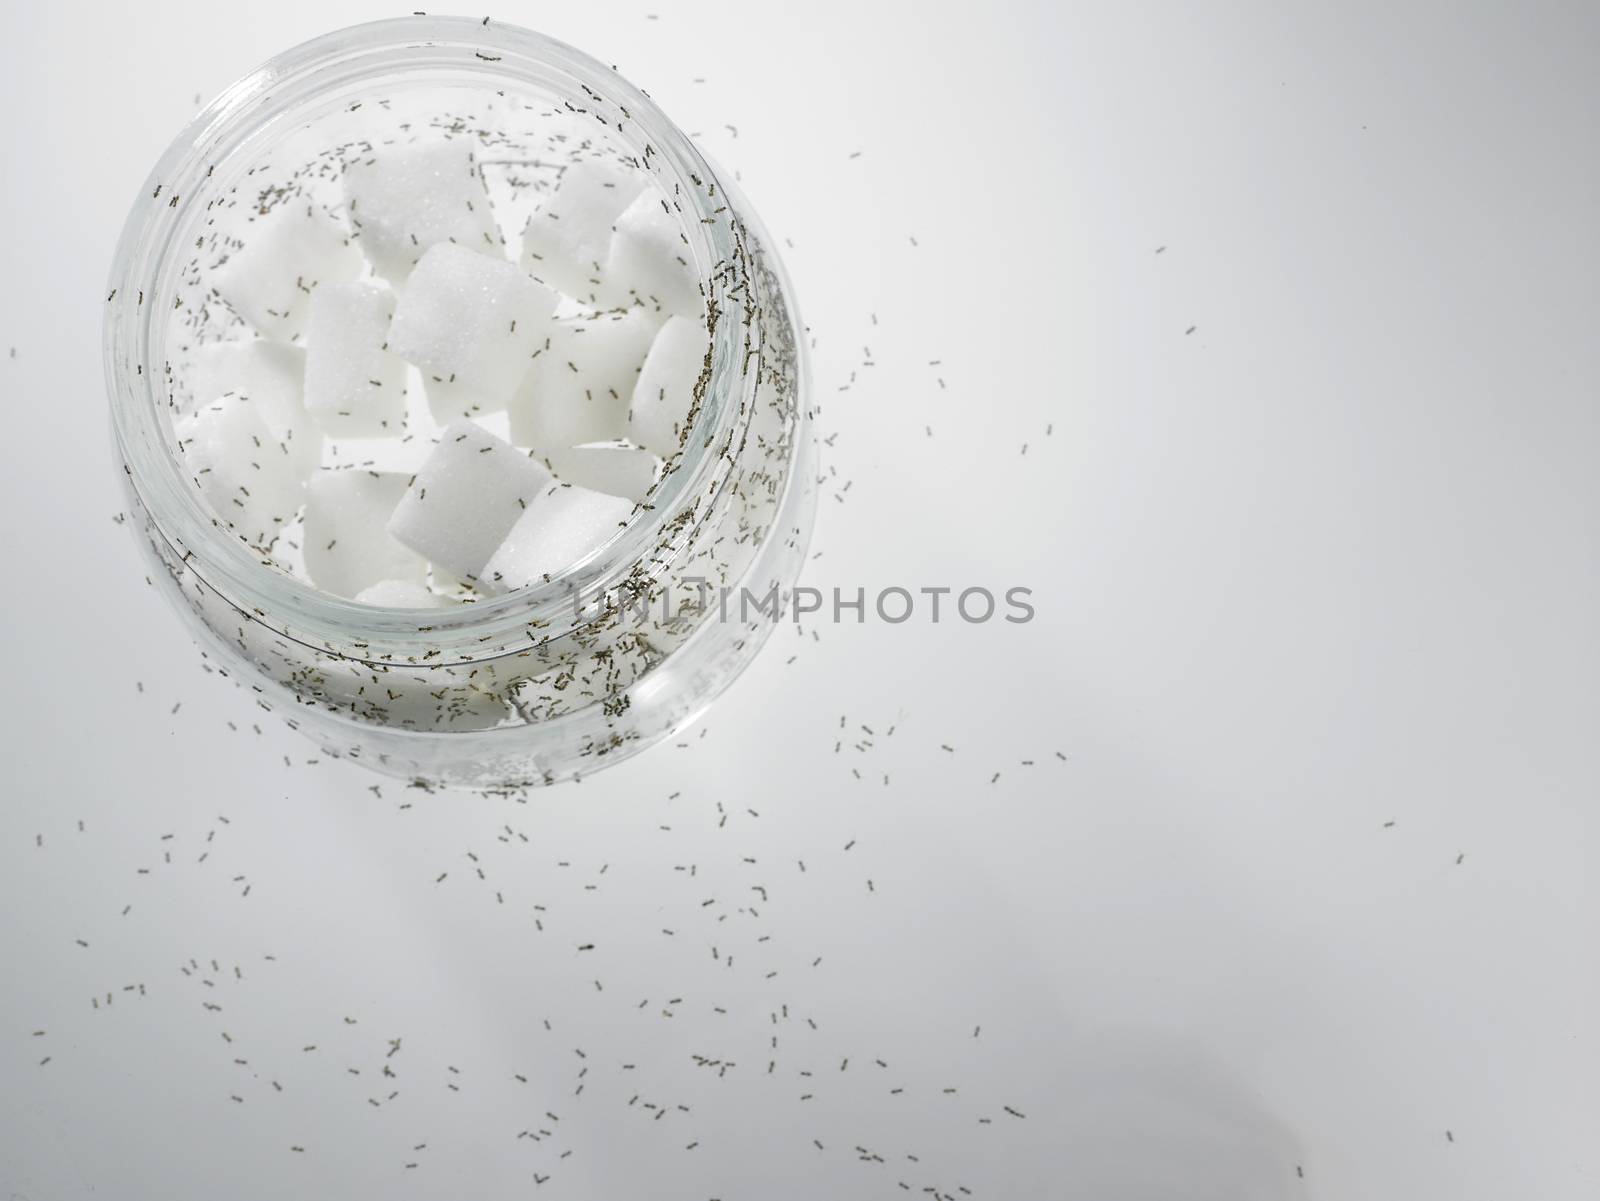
<point>458,50</point>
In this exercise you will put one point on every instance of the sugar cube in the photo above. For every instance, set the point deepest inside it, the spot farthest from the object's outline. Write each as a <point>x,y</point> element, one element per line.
<point>567,240</point>
<point>268,374</point>
<point>465,499</point>
<point>560,528</point>
<point>581,381</point>
<point>618,468</point>
<point>243,472</point>
<point>353,386</point>
<point>659,413</point>
<point>347,547</point>
<point>280,259</point>
<point>401,594</point>
<point>408,197</point>
<point>648,262</point>
<point>405,451</point>
<point>471,322</point>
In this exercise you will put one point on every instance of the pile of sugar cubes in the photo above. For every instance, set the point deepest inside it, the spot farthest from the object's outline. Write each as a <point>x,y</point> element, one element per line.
<point>421,411</point>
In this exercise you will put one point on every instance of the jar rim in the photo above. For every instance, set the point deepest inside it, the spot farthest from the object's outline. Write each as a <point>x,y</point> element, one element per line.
<point>133,323</point>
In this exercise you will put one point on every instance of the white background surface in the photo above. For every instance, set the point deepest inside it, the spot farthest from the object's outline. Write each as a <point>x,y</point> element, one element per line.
<point>1326,563</point>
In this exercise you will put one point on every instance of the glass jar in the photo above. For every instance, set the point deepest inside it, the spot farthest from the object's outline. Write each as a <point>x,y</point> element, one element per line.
<point>549,681</point>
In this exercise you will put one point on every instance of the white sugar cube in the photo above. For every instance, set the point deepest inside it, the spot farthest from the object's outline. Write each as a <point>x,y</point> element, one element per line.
<point>560,528</point>
<point>405,198</point>
<point>401,594</point>
<point>567,240</point>
<point>268,374</point>
<point>659,414</point>
<point>466,498</point>
<point>581,381</point>
<point>353,386</point>
<point>617,468</point>
<point>471,323</point>
<point>406,451</point>
<point>280,259</point>
<point>347,547</point>
<point>648,263</point>
<point>244,473</point>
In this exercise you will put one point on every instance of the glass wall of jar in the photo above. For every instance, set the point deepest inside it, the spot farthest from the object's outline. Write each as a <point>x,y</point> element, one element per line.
<point>550,680</point>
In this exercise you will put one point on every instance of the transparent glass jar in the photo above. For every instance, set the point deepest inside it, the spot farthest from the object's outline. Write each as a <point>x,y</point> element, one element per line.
<point>549,681</point>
